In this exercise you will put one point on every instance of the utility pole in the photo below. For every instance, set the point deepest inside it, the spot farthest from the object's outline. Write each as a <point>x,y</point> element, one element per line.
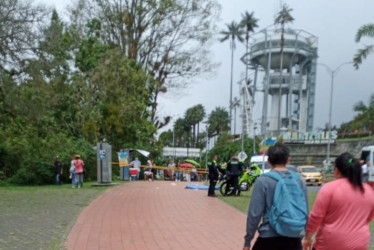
<point>332,75</point>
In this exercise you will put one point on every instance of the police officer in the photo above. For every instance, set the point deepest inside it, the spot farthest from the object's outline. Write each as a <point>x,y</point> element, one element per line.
<point>213,176</point>
<point>234,169</point>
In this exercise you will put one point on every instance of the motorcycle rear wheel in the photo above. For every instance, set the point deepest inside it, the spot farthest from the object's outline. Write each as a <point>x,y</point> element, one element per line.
<point>222,189</point>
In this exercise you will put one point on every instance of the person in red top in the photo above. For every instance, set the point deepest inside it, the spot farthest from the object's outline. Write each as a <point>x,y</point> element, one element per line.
<point>79,169</point>
<point>342,211</point>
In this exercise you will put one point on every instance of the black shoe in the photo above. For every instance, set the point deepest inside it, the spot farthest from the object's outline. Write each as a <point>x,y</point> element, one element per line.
<point>212,195</point>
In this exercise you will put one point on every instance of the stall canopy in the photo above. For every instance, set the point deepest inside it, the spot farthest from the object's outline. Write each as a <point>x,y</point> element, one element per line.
<point>143,152</point>
<point>186,165</point>
<point>196,164</point>
<point>140,151</point>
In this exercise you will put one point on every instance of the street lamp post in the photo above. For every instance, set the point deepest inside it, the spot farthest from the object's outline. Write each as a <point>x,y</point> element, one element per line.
<point>332,75</point>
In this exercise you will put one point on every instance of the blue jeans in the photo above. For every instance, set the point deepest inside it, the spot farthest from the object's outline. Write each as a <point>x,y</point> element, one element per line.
<point>178,175</point>
<point>79,179</point>
<point>58,181</point>
<point>73,179</point>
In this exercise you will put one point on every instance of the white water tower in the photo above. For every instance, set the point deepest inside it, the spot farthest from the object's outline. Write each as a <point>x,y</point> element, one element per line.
<point>289,81</point>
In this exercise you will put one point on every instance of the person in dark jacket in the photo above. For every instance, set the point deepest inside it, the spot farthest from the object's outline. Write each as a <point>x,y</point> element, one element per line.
<point>213,176</point>
<point>58,170</point>
<point>234,170</point>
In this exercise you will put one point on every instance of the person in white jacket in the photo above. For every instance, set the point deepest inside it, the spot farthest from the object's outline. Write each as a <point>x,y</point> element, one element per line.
<point>72,172</point>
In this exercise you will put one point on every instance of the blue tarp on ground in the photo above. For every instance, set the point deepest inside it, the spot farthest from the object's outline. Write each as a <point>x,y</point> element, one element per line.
<point>200,187</point>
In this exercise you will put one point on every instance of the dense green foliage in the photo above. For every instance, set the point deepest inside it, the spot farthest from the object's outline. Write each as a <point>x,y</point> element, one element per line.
<point>68,91</point>
<point>226,146</point>
<point>186,130</point>
<point>169,39</point>
<point>64,87</point>
<point>362,124</point>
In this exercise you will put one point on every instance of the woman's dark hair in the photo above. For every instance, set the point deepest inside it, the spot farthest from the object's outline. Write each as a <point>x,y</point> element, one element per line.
<point>350,167</point>
<point>278,154</point>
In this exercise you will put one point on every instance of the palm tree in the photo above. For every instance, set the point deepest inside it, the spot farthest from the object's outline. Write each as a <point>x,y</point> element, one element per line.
<point>179,131</point>
<point>218,122</point>
<point>234,31</point>
<point>200,115</point>
<point>365,118</point>
<point>366,30</point>
<point>249,22</point>
<point>283,17</point>
<point>190,119</point>
<point>235,104</point>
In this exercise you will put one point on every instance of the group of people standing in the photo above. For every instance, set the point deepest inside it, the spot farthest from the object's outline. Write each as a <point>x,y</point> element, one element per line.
<point>234,169</point>
<point>339,218</point>
<point>76,171</point>
<point>176,174</point>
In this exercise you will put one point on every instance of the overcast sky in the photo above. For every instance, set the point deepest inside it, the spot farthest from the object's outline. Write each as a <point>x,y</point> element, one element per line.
<point>334,22</point>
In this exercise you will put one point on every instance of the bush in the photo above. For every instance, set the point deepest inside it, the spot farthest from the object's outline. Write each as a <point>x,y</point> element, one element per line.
<point>34,173</point>
<point>35,167</point>
<point>2,176</point>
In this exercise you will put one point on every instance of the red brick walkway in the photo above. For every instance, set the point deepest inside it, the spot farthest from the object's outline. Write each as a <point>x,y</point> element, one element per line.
<point>157,215</point>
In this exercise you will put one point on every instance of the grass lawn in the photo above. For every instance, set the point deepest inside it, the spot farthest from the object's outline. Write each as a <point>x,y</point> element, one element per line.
<point>41,217</point>
<point>242,204</point>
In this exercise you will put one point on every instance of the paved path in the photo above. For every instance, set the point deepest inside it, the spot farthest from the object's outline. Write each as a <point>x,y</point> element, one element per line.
<point>157,215</point>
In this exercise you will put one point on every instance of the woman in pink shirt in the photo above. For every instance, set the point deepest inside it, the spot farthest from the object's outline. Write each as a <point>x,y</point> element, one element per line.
<point>79,170</point>
<point>342,210</point>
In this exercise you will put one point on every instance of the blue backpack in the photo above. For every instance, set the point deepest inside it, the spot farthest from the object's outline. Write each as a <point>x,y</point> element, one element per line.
<point>289,213</point>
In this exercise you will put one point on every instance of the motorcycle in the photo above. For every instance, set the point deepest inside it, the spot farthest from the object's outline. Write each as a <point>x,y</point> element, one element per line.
<point>245,183</point>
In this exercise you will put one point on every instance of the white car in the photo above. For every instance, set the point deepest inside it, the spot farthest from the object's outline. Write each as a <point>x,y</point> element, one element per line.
<point>261,160</point>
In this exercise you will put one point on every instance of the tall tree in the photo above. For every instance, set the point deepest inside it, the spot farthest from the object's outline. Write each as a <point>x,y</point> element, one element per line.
<point>179,132</point>
<point>234,31</point>
<point>121,102</point>
<point>170,39</point>
<point>218,121</point>
<point>19,23</point>
<point>200,115</point>
<point>167,138</point>
<point>54,50</point>
<point>283,17</point>
<point>235,104</point>
<point>19,33</point>
<point>365,118</point>
<point>193,117</point>
<point>249,22</point>
<point>366,30</point>
<point>190,121</point>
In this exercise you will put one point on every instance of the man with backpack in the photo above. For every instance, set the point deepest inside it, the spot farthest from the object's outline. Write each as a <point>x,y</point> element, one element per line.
<point>279,200</point>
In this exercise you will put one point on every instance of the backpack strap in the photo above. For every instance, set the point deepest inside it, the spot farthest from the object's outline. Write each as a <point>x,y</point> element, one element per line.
<point>295,176</point>
<point>276,176</point>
